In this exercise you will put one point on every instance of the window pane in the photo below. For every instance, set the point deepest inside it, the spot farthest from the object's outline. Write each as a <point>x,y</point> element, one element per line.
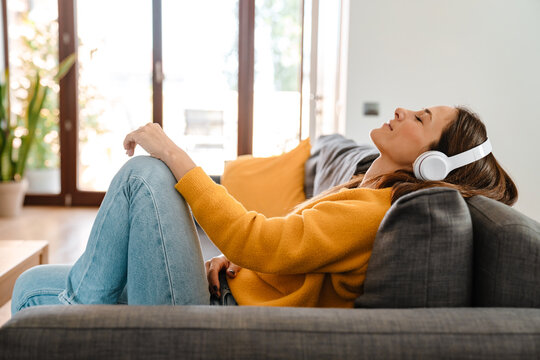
<point>328,104</point>
<point>200,64</point>
<point>276,103</point>
<point>115,84</point>
<point>33,44</point>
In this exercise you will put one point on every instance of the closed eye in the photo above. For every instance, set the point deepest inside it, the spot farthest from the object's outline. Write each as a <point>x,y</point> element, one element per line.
<point>417,118</point>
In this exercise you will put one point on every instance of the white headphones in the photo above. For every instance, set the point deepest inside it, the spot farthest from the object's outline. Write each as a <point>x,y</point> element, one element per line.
<point>434,165</point>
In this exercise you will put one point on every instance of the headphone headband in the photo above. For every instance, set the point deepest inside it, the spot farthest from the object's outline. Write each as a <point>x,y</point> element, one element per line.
<point>470,156</point>
<point>434,165</point>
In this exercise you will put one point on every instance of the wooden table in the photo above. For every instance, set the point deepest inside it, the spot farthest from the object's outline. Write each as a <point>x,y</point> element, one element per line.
<point>16,256</point>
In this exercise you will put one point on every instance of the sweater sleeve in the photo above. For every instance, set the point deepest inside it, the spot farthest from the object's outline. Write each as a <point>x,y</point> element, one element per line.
<point>330,237</point>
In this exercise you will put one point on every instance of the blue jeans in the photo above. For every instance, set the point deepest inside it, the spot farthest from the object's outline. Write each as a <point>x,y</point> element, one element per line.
<point>143,249</point>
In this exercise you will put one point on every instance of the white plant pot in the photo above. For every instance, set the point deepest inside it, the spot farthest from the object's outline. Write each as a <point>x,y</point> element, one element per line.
<point>12,197</point>
<point>43,181</point>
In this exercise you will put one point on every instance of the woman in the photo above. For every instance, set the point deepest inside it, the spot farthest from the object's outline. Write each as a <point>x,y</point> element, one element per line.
<point>144,249</point>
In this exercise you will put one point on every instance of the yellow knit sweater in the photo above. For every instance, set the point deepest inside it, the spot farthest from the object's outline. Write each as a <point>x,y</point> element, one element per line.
<point>315,257</point>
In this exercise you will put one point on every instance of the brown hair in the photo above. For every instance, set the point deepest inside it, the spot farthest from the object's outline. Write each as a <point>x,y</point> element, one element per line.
<point>483,177</point>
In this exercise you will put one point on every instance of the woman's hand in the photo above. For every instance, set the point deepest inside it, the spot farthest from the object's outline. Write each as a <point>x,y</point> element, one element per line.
<point>153,139</point>
<point>213,267</point>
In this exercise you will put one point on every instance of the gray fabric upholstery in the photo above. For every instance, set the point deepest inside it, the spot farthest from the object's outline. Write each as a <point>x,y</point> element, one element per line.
<point>507,255</point>
<point>422,255</point>
<point>230,332</point>
<point>334,160</point>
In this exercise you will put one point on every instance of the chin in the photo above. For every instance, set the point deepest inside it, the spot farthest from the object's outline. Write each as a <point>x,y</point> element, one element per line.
<point>374,135</point>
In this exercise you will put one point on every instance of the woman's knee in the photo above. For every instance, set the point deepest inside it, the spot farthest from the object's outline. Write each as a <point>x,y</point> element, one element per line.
<point>149,168</point>
<point>145,162</point>
<point>39,285</point>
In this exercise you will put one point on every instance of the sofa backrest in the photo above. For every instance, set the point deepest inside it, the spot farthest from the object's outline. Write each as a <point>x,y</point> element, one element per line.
<point>422,255</point>
<point>434,249</point>
<point>506,255</point>
<point>505,267</point>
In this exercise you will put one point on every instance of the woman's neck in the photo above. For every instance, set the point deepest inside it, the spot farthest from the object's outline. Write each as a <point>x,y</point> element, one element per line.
<point>379,167</point>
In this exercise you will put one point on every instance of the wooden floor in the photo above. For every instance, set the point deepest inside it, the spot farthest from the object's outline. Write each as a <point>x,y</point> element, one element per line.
<point>67,230</point>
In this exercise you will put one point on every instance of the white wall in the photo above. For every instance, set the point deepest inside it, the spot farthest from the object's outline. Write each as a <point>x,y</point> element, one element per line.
<point>481,53</point>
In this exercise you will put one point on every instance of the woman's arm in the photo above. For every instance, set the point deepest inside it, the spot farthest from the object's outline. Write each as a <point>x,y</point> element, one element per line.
<point>153,139</point>
<point>333,236</point>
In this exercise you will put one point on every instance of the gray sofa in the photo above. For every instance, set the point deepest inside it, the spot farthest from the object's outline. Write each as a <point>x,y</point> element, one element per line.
<point>447,279</point>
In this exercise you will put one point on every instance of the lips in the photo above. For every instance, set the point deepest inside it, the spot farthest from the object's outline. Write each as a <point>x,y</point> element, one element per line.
<point>390,126</point>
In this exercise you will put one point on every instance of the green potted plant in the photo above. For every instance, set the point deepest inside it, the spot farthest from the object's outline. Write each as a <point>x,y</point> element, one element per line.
<point>16,138</point>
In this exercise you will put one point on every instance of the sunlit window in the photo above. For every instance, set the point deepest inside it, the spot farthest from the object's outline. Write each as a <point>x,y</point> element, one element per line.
<point>200,90</point>
<point>33,45</point>
<point>200,80</point>
<point>276,102</point>
<point>115,84</point>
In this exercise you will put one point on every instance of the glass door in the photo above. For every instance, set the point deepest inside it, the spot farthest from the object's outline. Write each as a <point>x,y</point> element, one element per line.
<point>278,59</point>
<point>33,46</point>
<point>328,56</point>
<point>328,51</point>
<point>200,86</point>
<point>114,84</point>
<point>215,73</point>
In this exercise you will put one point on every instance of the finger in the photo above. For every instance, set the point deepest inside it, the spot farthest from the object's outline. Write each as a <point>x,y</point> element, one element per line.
<point>221,265</point>
<point>233,270</point>
<point>129,144</point>
<point>231,273</point>
<point>210,266</point>
<point>128,139</point>
<point>207,267</point>
<point>213,267</point>
<point>131,150</point>
<point>213,277</point>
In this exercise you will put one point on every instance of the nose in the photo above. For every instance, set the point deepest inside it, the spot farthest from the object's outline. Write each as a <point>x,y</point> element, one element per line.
<point>399,113</point>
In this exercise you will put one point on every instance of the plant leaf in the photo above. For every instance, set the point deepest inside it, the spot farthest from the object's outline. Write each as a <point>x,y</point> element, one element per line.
<point>5,130</point>
<point>64,66</point>
<point>6,161</point>
<point>33,116</point>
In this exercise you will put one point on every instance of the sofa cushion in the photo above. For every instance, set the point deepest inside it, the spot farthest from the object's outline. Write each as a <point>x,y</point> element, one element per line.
<point>506,255</point>
<point>272,185</point>
<point>256,332</point>
<point>422,255</point>
<point>334,160</point>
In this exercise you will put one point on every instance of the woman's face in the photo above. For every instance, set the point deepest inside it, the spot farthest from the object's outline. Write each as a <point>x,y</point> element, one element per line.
<point>402,139</point>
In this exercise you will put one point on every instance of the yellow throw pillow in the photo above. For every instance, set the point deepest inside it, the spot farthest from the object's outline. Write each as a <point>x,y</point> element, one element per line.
<point>272,185</point>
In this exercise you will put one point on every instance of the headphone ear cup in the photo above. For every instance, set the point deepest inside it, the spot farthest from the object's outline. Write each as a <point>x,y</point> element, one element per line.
<point>431,166</point>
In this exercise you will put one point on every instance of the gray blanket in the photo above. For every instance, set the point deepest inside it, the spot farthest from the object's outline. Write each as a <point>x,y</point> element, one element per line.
<point>334,160</point>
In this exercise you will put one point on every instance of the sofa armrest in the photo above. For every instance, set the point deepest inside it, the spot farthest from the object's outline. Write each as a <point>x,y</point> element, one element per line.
<point>144,332</point>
